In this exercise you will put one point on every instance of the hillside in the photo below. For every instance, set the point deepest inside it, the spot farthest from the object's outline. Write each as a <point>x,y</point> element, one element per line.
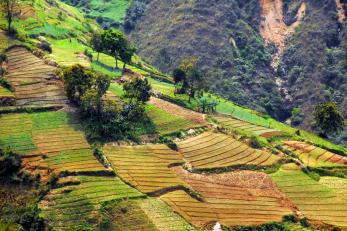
<point>87,146</point>
<point>263,54</point>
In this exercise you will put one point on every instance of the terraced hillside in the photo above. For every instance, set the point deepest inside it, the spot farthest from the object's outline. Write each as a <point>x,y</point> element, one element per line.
<point>146,167</point>
<point>235,198</point>
<point>236,124</point>
<point>314,156</point>
<point>315,200</point>
<point>75,206</point>
<point>211,150</point>
<point>49,142</point>
<point>34,82</point>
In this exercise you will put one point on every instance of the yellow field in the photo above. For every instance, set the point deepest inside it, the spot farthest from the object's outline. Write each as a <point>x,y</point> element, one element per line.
<point>212,150</point>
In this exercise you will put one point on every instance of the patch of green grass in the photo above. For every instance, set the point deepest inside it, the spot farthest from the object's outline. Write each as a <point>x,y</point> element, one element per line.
<point>4,92</point>
<point>47,120</point>
<point>116,89</point>
<point>78,206</point>
<point>114,10</point>
<point>125,215</point>
<point>166,123</point>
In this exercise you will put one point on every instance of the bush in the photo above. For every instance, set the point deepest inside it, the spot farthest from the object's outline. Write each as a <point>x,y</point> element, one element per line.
<point>257,142</point>
<point>304,222</point>
<point>46,46</point>
<point>10,164</point>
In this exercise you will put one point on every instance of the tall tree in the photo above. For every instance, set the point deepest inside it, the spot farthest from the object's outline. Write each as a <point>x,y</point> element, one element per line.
<point>328,118</point>
<point>9,7</point>
<point>192,80</point>
<point>126,53</point>
<point>114,41</point>
<point>97,44</point>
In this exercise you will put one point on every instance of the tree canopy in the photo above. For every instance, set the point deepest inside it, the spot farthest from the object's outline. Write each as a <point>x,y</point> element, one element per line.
<point>328,118</point>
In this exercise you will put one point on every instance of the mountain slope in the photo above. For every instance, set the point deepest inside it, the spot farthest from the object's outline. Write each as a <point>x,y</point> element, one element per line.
<point>224,35</point>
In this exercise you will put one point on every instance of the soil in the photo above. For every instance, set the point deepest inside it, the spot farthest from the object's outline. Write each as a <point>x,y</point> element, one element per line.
<point>245,184</point>
<point>340,10</point>
<point>273,28</point>
<point>178,111</point>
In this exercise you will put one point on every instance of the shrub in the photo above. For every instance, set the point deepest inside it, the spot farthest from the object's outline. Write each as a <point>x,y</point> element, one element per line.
<point>46,46</point>
<point>304,222</point>
<point>10,164</point>
<point>257,142</point>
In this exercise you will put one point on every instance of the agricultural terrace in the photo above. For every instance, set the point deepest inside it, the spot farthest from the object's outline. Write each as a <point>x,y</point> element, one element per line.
<point>236,124</point>
<point>148,214</point>
<point>238,198</point>
<point>313,156</point>
<point>146,167</point>
<point>212,150</point>
<point>228,212</point>
<point>163,217</point>
<point>48,140</point>
<point>34,82</point>
<point>166,123</point>
<point>178,111</point>
<point>316,200</point>
<point>245,114</point>
<point>77,205</point>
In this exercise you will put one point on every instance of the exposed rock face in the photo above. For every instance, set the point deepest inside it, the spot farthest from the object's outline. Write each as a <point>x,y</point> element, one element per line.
<point>273,27</point>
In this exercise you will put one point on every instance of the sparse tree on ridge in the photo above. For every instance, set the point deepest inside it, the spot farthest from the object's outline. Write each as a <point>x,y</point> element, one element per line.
<point>126,53</point>
<point>9,7</point>
<point>328,119</point>
<point>114,41</point>
<point>97,44</point>
<point>192,81</point>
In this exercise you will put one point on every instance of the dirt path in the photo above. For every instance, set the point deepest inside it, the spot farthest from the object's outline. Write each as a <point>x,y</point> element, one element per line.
<point>273,29</point>
<point>178,111</point>
<point>340,10</point>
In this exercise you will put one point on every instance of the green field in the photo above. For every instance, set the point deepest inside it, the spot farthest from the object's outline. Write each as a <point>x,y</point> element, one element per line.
<point>314,199</point>
<point>78,206</point>
<point>114,10</point>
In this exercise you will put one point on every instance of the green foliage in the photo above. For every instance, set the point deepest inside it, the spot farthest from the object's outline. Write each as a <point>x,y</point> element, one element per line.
<point>328,118</point>
<point>97,44</point>
<point>10,165</point>
<point>257,142</point>
<point>270,226</point>
<point>114,41</point>
<point>137,90</point>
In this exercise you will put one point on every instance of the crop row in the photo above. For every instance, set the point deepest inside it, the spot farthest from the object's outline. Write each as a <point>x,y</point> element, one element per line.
<point>211,150</point>
<point>33,80</point>
<point>145,167</point>
<point>314,156</point>
<point>78,205</point>
<point>236,124</point>
<point>314,199</point>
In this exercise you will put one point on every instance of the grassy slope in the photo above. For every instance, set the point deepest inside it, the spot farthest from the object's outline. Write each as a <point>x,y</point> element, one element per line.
<point>164,123</point>
<point>228,107</point>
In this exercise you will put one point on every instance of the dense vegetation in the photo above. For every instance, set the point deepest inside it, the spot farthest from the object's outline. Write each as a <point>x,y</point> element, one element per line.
<point>314,63</point>
<point>223,36</point>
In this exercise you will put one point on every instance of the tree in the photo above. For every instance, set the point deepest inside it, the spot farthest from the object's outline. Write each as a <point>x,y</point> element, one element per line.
<point>192,81</point>
<point>126,53</point>
<point>138,90</point>
<point>328,118</point>
<point>114,41</point>
<point>9,6</point>
<point>78,81</point>
<point>97,44</point>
